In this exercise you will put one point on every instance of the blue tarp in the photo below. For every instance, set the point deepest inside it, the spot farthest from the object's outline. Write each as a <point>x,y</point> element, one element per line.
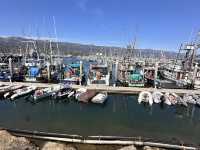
<point>74,65</point>
<point>34,71</point>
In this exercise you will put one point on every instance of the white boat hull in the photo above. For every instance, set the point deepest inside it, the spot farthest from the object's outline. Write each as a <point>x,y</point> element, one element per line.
<point>100,98</point>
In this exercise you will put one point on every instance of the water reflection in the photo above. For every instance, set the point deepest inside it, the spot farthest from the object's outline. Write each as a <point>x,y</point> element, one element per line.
<point>120,115</point>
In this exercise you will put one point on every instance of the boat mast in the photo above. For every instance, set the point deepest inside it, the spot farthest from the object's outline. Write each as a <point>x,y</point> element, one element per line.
<point>55,32</point>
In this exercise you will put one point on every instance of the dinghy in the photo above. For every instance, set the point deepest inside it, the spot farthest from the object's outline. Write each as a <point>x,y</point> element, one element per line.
<point>23,92</point>
<point>46,92</point>
<point>1,85</point>
<point>12,91</point>
<point>146,97</point>
<point>166,99</point>
<point>100,98</point>
<point>72,93</point>
<point>63,93</point>
<point>84,95</point>
<point>8,88</point>
<point>5,88</point>
<point>173,98</point>
<point>189,99</point>
<point>181,101</point>
<point>197,99</point>
<point>42,93</point>
<point>157,96</point>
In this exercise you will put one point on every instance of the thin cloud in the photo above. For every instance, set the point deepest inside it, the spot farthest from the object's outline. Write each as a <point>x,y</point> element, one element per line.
<point>82,4</point>
<point>98,12</point>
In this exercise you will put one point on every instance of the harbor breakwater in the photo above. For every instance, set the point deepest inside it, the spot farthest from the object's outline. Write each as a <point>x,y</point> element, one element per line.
<point>8,141</point>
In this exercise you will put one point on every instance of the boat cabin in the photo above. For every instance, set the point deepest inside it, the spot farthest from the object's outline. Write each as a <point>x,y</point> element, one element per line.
<point>98,74</point>
<point>72,73</point>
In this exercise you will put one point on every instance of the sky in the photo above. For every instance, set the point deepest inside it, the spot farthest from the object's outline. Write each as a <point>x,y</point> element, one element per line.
<point>156,24</point>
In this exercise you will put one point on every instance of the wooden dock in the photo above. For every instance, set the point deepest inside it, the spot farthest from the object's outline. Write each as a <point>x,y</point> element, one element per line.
<point>110,89</point>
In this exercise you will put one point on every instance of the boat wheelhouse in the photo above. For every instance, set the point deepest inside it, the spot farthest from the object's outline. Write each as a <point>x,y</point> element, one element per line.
<point>73,73</point>
<point>131,75</point>
<point>98,74</point>
<point>4,72</point>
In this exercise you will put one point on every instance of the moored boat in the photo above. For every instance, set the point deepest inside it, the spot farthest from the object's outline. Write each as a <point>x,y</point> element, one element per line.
<point>173,99</point>
<point>100,98</point>
<point>12,91</point>
<point>146,97</point>
<point>6,89</point>
<point>166,99</point>
<point>63,93</point>
<point>42,93</point>
<point>84,95</point>
<point>157,96</point>
<point>98,75</point>
<point>189,99</point>
<point>22,92</point>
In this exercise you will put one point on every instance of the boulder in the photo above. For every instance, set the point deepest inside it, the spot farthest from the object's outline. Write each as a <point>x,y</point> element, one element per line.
<point>152,148</point>
<point>10,142</point>
<point>131,147</point>
<point>57,146</point>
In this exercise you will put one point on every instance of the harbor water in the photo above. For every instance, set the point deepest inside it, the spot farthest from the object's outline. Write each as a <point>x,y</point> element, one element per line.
<point>121,115</point>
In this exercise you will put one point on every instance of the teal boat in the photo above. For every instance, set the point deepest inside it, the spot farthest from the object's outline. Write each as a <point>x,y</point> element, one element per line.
<point>131,75</point>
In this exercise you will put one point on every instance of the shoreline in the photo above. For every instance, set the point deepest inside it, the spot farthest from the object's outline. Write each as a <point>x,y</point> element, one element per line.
<point>21,142</point>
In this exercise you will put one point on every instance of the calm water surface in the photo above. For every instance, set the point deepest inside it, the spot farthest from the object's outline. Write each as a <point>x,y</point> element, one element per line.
<point>121,115</point>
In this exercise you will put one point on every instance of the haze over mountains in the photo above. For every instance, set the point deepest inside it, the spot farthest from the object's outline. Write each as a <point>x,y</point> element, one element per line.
<point>14,44</point>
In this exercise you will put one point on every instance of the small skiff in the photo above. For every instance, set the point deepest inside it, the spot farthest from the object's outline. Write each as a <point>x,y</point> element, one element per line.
<point>146,97</point>
<point>100,98</point>
<point>23,92</point>
<point>84,95</point>
<point>12,91</point>
<point>157,96</point>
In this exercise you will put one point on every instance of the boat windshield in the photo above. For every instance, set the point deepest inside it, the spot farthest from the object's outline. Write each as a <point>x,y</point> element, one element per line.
<point>102,70</point>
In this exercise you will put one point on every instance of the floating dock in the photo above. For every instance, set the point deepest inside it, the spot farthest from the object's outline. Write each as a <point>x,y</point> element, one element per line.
<point>110,89</point>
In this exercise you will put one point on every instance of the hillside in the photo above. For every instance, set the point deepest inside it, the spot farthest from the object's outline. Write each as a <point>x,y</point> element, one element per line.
<point>14,44</point>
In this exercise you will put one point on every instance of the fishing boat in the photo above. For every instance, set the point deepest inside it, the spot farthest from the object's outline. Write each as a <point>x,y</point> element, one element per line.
<point>73,73</point>
<point>98,74</point>
<point>176,74</point>
<point>22,92</point>
<point>12,91</point>
<point>146,97</point>
<point>157,96</point>
<point>182,72</point>
<point>131,75</point>
<point>100,98</point>
<point>149,75</point>
<point>33,62</point>
<point>4,72</point>
<point>84,95</point>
